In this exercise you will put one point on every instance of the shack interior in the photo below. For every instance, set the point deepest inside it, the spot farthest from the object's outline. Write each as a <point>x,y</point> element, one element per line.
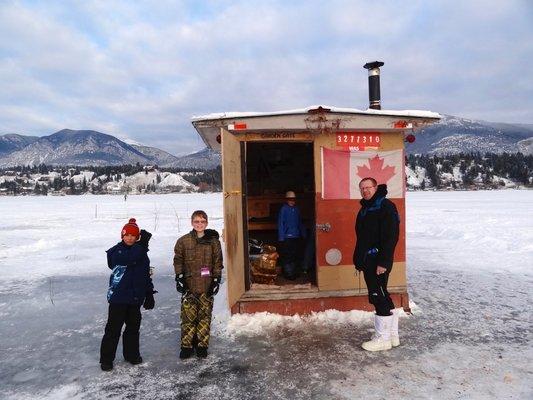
<point>272,169</point>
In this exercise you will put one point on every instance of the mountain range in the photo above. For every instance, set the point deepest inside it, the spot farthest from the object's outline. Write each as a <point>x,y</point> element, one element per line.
<point>87,147</point>
<point>450,135</point>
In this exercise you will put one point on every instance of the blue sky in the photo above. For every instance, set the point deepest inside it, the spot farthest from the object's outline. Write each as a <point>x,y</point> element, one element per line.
<point>139,70</point>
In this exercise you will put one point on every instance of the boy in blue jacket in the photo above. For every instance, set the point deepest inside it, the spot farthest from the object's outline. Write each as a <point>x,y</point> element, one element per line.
<point>130,286</point>
<point>291,232</point>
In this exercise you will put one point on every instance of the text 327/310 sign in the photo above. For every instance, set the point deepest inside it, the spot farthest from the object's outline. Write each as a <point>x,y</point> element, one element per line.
<point>358,141</point>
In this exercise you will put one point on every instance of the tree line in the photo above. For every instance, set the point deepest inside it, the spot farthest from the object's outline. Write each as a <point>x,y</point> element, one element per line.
<point>25,179</point>
<point>467,170</point>
<point>454,171</point>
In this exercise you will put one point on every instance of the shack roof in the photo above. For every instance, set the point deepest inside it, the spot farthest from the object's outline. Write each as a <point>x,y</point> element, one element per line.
<point>369,111</point>
<point>208,126</point>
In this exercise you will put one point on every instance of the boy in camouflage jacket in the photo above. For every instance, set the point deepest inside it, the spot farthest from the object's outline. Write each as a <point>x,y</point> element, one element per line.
<point>198,267</point>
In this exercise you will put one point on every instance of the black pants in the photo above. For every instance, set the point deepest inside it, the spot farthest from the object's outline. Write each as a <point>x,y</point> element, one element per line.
<point>290,249</point>
<point>290,256</point>
<point>130,314</point>
<point>377,291</point>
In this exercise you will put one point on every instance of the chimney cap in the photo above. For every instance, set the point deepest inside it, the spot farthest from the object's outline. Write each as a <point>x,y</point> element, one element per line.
<point>374,64</point>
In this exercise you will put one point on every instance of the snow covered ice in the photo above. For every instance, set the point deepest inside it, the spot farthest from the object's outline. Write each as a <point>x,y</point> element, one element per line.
<point>470,257</point>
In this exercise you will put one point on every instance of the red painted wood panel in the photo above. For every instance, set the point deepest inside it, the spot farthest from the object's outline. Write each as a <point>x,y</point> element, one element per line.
<point>341,214</point>
<point>309,305</point>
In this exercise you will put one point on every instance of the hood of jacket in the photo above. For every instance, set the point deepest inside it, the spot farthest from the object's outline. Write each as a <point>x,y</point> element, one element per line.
<point>209,234</point>
<point>380,193</point>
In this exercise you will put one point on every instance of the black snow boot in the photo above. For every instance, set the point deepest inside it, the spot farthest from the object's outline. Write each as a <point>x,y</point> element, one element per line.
<point>106,366</point>
<point>186,352</point>
<point>135,361</point>
<point>201,352</point>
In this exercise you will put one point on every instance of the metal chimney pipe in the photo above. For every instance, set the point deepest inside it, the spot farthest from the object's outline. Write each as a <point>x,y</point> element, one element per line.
<point>374,95</point>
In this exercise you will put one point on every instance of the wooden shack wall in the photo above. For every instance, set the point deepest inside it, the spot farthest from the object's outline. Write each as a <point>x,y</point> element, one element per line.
<point>233,216</point>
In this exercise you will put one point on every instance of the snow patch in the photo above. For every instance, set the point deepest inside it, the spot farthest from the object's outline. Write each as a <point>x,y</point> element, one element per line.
<point>70,391</point>
<point>262,323</point>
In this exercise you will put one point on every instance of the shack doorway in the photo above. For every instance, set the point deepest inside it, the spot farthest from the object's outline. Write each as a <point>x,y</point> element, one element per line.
<point>271,169</point>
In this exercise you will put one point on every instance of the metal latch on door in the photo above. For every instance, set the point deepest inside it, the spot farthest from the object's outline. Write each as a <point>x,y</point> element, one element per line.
<point>324,227</point>
<point>231,192</point>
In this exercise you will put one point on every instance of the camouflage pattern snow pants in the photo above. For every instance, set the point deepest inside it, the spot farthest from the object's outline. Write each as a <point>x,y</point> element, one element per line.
<point>196,310</point>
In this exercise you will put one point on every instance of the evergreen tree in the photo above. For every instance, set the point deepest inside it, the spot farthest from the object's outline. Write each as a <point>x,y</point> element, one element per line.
<point>72,187</point>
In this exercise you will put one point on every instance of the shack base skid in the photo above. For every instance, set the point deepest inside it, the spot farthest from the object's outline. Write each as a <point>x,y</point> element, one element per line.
<point>305,306</point>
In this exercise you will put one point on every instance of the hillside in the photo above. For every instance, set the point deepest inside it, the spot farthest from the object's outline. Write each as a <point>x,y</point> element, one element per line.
<point>454,135</point>
<point>93,148</point>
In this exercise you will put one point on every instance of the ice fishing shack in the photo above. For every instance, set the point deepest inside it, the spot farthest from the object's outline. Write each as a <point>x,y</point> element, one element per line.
<point>321,153</point>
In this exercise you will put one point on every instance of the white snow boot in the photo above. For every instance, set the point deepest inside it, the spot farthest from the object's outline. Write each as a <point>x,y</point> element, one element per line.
<point>394,337</point>
<point>381,339</point>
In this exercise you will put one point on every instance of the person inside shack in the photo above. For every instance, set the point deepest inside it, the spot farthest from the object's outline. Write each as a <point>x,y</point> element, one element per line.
<point>291,232</point>
<point>377,231</point>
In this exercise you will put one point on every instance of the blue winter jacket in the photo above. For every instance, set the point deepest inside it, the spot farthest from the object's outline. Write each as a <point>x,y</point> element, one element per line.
<point>290,223</point>
<point>130,280</point>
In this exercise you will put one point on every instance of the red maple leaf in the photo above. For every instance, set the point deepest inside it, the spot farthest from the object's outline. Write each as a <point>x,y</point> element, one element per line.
<point>376,170</point>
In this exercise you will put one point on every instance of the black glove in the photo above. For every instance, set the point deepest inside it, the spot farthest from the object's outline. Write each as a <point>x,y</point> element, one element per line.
<point>181,285</point>
<point>213,288</point>
<point>149,301</point>
<point>357,265</point>
<point>145,238</point>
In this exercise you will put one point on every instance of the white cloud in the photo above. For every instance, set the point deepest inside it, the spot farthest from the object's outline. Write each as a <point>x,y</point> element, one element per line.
<point>141,69</point>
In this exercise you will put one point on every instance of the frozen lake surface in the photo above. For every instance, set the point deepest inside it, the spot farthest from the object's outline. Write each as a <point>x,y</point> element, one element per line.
<point>470,259</point>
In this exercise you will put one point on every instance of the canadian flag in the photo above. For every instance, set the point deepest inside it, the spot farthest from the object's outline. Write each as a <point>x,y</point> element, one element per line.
<point>342,170</point>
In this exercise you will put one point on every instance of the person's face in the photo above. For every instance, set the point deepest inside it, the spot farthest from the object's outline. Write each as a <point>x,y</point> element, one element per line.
<point>291,202</point>
<point>129,239</point>
<point>199,224</point>
<point>367,189</point>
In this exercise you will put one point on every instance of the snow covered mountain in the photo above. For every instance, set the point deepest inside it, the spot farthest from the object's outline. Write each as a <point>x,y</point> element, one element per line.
<point>13,142</point>
<point>158,156</point>
<point>70,147</point>
<point>203,159</point>
<point>87,147</point>
<point>454,135</point>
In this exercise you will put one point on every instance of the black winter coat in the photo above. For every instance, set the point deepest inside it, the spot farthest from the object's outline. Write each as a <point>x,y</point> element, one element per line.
<point>377,227</point>
<point>130,280</point>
